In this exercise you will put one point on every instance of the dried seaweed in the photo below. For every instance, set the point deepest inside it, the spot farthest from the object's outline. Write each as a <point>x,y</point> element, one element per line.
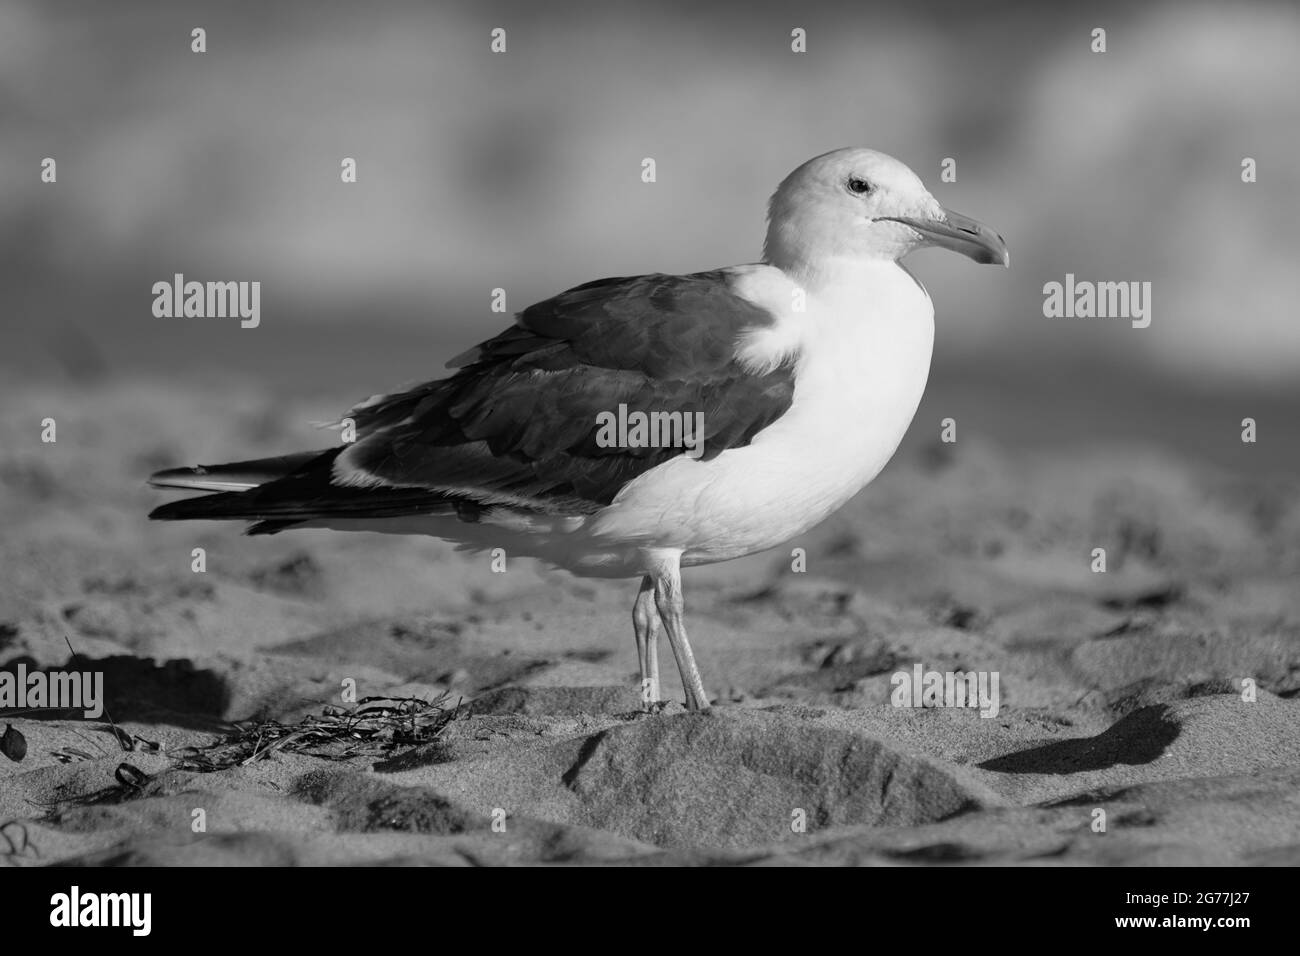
<point>374,727</point>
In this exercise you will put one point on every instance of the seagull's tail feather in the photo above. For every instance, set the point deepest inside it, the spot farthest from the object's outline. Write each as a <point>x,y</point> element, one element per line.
<point>233,483</point>
<point>234,476</point>
<point>279,493</point>
<point>223,506</point>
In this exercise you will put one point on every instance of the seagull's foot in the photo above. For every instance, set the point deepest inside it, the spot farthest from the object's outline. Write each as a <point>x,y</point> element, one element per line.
<point>697,701</point>
<point>650,702</point>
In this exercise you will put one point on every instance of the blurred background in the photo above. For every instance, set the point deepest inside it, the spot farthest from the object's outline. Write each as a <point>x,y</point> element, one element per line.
<point>522,170</point>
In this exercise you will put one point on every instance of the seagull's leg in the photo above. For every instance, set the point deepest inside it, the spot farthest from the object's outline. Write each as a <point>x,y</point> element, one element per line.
<point>668,598</point>
<point>645,619</point>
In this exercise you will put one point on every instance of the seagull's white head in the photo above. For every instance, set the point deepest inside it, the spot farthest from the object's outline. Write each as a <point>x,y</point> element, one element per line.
<point>859,204</point>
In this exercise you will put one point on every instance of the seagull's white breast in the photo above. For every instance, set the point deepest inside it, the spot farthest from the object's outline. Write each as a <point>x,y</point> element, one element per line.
<point>862,346</point>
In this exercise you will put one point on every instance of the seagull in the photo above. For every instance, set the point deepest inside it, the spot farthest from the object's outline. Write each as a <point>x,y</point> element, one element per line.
<point>774,392</point>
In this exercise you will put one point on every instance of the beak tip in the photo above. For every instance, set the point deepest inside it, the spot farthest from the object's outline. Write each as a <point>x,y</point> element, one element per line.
<point>965,235</point>
<point>999,254</point>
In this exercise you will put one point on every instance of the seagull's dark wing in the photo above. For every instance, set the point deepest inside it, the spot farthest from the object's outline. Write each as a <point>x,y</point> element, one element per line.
<point>517,423</point>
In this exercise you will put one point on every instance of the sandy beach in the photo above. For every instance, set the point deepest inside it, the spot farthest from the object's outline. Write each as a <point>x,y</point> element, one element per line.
<point>1163,692</point>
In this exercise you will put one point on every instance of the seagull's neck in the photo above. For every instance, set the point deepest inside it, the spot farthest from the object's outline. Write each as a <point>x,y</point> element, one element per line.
<point>822,315</point>
<point>822,274</point>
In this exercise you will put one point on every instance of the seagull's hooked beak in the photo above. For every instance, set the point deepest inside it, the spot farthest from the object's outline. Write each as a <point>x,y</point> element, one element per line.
<point>960,234</point>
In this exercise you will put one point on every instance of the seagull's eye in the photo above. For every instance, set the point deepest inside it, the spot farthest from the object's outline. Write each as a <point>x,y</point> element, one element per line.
<point>859,186</point>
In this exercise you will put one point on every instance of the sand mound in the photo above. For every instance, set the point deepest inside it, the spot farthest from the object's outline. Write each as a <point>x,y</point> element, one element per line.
<point>724,780</point>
